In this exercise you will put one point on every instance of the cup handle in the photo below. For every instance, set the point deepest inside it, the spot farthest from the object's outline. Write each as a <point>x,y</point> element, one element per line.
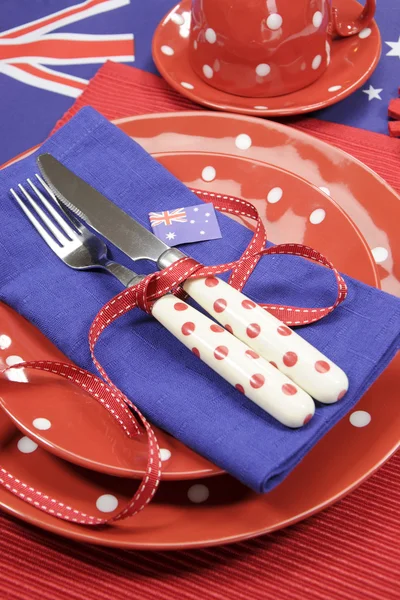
<point>342,28</point>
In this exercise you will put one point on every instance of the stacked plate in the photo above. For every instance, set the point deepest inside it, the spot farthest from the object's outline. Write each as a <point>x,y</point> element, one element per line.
<point>306,191</point>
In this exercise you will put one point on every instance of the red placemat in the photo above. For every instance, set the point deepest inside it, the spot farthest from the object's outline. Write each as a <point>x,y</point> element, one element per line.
<point>120,91</point>
<point>348,552</point>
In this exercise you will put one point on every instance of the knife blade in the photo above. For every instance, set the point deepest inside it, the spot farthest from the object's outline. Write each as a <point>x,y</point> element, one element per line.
<point>261,331</point>
<point>104,216</point>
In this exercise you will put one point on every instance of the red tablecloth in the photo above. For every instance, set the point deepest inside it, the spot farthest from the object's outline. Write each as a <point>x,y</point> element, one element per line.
<point>350,551</point>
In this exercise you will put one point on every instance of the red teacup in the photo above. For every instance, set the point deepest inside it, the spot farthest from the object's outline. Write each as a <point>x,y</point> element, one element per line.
<point>266,48</point>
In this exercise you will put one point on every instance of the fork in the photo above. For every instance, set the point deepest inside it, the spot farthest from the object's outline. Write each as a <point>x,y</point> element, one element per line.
<point>77,247</point>
<point>228,356</point>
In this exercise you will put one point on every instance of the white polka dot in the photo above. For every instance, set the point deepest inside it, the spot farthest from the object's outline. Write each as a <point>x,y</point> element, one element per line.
<point>165,454</point>
<point>13,360</point>
<point>261,107</point>
<point>167,50</point>
<point>263,69</point>
<point>26,445</point>
<point>317,19</point>
<point>211,36</point>
<point>380,254</point>
<point>17,375</point>
<point>216,65</point>
<point>317,216</point>
<point>275,195</point>
<point>274,21</point>
<point>243,141</point>
<point>364,33</point>
<point>187,85</point>
<point>5,342</point>
<point>208,173</point>
<point>360,418</point>
<point>178,19</point>
<point>195,44</point>
<point>192,221</point>
<point>303,66</point>
<point>106,503</point>
<point>335,88</point>
<point>41,423</point>
<point>202,232</point>
<point>207,215</point>
<point>198,493</point>
<point>326,190</point>
<point>208,72</point>
<point>316,63</point>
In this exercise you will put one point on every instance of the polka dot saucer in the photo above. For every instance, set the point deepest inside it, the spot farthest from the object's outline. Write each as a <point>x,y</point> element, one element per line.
<point>353,60</point>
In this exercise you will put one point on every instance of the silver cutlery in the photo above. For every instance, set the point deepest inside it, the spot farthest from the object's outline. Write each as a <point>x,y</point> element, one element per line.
<point>81,249</point>
<point>264,333</point>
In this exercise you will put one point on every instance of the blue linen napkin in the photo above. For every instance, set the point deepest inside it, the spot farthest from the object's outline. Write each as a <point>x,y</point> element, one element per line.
<point>169,384</point>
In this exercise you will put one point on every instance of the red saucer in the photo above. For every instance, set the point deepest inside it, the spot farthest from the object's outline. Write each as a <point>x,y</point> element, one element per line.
<point>353,61</point>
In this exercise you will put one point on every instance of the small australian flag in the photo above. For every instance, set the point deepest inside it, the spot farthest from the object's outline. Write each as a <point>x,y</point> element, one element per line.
<point>185,225</point>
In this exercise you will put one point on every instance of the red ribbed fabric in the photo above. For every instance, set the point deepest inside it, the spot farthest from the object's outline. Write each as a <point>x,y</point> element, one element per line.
<point>349,552</point>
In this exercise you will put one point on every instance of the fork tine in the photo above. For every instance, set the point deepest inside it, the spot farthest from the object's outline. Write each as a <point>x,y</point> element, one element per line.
<point>68,214</point>
<point>37,224</point>
<point>48,222</point>
<point>60,220</point>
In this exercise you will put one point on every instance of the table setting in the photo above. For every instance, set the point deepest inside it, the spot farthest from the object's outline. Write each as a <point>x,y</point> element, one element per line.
<point>199,302</point>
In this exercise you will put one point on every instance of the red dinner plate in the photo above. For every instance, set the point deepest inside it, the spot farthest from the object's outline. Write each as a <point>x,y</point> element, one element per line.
<point>218,510</point>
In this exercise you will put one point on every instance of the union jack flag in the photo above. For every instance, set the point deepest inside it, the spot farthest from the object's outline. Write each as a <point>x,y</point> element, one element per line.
<point>26,49</point>
<point>167,217</point>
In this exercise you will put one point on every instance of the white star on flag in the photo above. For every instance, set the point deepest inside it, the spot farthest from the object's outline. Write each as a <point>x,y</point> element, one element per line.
<point>195,209</point>
<point>373,93</point>
<point>171,235</point>
<point>395,48</point>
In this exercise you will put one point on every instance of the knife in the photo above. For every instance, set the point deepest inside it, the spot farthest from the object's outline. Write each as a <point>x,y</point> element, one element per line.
<point>262,332</point>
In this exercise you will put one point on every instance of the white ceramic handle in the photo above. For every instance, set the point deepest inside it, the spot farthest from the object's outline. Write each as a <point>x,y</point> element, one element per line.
<point>269,337</point>
<point>235,362</point>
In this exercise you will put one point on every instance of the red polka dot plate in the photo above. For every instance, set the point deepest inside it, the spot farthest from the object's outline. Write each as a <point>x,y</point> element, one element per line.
<point>218,510</point>
<point>353,60</point>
